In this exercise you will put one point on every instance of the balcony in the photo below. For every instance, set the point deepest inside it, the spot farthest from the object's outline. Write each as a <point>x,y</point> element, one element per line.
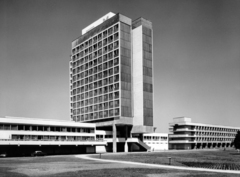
<point>181,141</point>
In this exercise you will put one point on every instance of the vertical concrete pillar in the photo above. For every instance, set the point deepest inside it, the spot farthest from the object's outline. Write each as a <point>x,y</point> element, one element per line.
<point>126,137</point>
<point>211,146</point>
<point>114,128</point>
<point>126,146</point>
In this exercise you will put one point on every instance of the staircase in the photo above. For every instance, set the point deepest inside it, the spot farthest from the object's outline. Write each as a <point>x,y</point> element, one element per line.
<point>144,145</point>
<point>139,143</point>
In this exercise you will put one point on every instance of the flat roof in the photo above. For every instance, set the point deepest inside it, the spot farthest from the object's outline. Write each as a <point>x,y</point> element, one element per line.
<point>97,22</point>
<point>201,124</point>
<point>155,134</point>
<point>37,121</point>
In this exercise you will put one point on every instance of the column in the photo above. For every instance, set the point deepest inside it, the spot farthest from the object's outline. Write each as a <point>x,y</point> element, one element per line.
<point>126,137</point>
<point>211,145</point>
<point>114,128</point>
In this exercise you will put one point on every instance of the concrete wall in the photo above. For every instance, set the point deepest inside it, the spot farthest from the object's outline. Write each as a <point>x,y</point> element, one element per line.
<point>158,147</point>
<point>5,135</point>
<point>137,75</point>
<point>101,149</point>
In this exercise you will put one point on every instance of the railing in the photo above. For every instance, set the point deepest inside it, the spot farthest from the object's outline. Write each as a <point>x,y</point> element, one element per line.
<point>98,140</point>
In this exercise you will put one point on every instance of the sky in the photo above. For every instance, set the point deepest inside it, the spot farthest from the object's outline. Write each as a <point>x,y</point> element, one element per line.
<point>196,48</point>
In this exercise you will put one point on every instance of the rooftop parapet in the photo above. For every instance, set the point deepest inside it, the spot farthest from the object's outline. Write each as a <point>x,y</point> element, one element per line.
<point>182,120</point>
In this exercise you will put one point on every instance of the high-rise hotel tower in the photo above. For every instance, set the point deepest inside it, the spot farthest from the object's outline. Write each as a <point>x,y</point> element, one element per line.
<point>111,76</point>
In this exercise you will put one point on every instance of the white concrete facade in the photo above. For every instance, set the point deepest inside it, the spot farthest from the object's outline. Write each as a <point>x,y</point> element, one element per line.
<point>137,75</point>
<point>157,141</point>
<point>188,135</point>
<point>29,131</point>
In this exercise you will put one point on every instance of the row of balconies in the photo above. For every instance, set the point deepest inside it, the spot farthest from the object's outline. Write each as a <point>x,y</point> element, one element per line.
<point>13,127</point>
<point>97,115</point>
<point>96,107</point>
<point>106,53</point>
<point>98,88</point>
<point>105,68</point>
<point>94,66</point>
<point>215,134</point>
<point>97,99</point>
<point>98,92</point>
<point>101,75</point>
<point>210,134</point>
<point>85,63</point>
<point>107,96</point>
<point>112,95</point>
<point>194,135</point>
<point>89,84</point>
<point>49,138</point>
<point>190,141</point>
<point>88,139</point>
<point>202,138</point>
<point>196,130</point>
<point>97,49</point>
<point>106,109</point>
<point>216,139</point>
<point>203,128</point>
<point>217,129</point>
<point>96,39</point>
<point>105,82</point>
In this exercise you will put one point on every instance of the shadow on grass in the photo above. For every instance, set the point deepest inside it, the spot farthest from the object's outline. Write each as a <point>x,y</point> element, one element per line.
<point>210,165</point>
<point>137,172</point>
<point>235,153</point>
<point>5,172</point>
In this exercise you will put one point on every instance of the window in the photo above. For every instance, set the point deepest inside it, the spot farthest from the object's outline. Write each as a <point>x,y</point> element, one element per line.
<point>115,28</point>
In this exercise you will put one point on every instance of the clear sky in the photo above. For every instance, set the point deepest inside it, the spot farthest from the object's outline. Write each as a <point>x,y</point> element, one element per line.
<point>196,56</point>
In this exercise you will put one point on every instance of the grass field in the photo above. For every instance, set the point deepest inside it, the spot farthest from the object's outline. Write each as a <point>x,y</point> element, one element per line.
<point>212,159</point>
<point>70,166</point>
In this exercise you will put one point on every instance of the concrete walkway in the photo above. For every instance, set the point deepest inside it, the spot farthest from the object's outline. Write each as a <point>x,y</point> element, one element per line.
<point>159,166</point>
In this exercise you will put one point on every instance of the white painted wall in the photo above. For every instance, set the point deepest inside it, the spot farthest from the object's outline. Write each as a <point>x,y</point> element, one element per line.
<point>5,135</point>
<point>137,48</point>
<point>156,145</point>
<point>101,149</point>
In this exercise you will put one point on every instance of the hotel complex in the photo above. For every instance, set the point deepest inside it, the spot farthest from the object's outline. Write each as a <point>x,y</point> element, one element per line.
<point>111,77</point>
<point>111,101</point>
<point>188,135</point>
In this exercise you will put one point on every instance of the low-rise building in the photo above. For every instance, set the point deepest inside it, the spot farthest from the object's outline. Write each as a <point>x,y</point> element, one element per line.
<point>21,136</point>
<point>188,135</point>
<point>156,141</point>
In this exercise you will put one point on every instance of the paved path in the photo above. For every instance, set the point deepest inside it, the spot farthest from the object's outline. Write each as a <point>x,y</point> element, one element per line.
<point>158,166</point>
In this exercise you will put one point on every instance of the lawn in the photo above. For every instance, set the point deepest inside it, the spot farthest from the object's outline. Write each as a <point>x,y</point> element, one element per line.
<point>70,166</point>
<point>213,159</point>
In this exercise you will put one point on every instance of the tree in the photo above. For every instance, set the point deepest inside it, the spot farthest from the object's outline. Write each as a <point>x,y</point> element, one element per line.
<point>236,141</point>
